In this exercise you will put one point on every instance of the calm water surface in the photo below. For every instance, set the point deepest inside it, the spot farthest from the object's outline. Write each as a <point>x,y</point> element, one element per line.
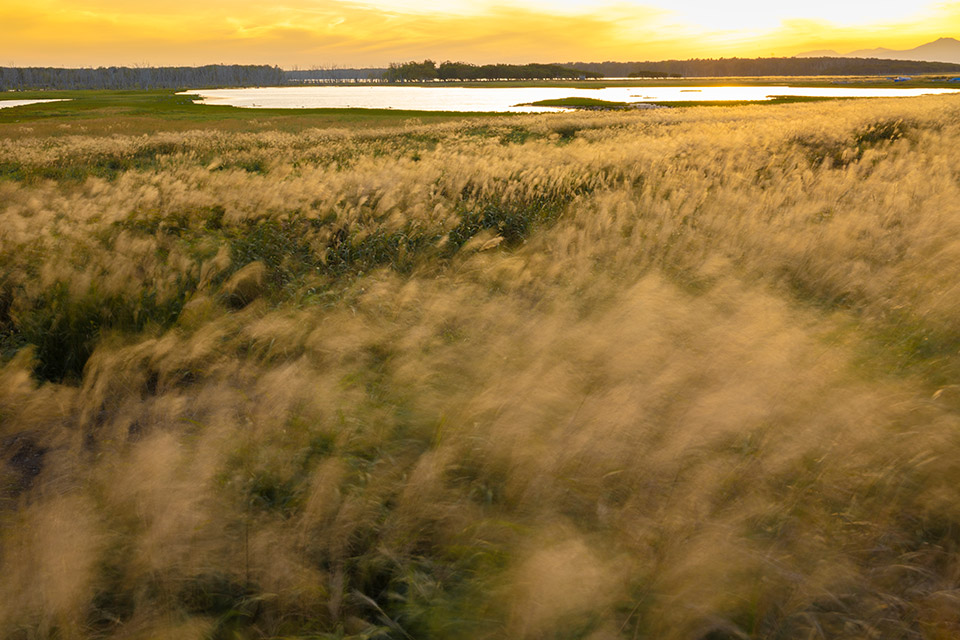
<point>509,99</point>
<point>19,103</point>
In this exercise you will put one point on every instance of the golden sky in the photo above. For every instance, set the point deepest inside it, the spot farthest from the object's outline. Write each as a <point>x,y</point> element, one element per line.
<point>308,33</point>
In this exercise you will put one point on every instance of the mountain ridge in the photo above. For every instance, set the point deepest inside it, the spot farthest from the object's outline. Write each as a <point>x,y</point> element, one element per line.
<point>944,49</point>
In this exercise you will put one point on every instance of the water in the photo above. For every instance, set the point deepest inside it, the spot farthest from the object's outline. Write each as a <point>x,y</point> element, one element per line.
<point>4,104</point>
<point>509,99</point>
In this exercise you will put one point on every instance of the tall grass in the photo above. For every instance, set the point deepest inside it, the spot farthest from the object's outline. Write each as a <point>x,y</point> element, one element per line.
<point>670,374</point>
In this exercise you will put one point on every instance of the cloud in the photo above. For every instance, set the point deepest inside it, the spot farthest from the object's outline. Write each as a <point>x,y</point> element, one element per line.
<point>797,36</point>
<point>306,32</point>
<point>297,33</point>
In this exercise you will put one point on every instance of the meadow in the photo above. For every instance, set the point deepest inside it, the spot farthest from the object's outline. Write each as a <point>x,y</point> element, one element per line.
<point>674,374</point>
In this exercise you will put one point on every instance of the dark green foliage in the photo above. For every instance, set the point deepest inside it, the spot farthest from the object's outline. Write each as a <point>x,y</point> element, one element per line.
<point>22,459</point>
<point>64,332</point>
<point>12,171</point>
<point>507,135</point>
<point>481,481</point>
<point>107,166</point>
<point>842,152</point>
<point>272,490</point>
<point>175,224</point>
<point>113,603</point>
<point>281,245</point>
<point>904,344</point>
<point>516,135</point>
<point>566,132</point>
<point>10,339</point>
<point>440,593</point>
<point>880,132</point>
<point>272,493</point>
<point>212,217</point>
<point>221,596</point>
<point>512,221</point>
<point>400,250</point>
<point>250,165</point>
<point>65,329</point>
<point>818,151</point>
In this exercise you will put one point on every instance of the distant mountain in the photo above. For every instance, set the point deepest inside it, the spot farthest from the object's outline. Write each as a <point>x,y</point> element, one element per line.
<point>731,67</point>
<point>940,50</point>
<point>820,53</point>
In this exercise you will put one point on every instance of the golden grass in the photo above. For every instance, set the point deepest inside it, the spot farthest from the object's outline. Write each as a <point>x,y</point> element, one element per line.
<point>670,374</point>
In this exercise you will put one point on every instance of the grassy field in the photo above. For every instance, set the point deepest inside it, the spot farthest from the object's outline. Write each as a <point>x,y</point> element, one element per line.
<point>675,374</point>
<point>140,112</point>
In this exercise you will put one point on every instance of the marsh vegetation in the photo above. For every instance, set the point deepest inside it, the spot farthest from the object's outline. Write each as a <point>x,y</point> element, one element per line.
<point>665,374</point>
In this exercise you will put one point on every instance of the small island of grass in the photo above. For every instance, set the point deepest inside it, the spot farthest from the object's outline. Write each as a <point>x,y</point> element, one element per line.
<point>579,103</point>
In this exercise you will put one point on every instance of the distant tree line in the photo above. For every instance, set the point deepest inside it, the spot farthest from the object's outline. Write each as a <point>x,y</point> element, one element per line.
<point>333,73</point>
<point>766,67</point>
<point>653,74</point>
<point>411,71</point>
<point>446,71</point>
<point>219,75</point>
<point>213,75</point>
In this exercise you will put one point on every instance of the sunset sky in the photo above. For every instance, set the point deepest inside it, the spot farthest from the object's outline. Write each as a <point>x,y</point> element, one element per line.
<point>309,33</point>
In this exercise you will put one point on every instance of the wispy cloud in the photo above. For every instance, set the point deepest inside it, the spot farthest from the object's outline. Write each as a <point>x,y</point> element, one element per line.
<point>305,32</point>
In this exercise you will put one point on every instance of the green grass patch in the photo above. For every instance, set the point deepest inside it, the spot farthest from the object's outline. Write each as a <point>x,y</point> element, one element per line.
<point>65,329</point>
<point>578,103</point>
<point>137,112</point>
<point>743,103</point>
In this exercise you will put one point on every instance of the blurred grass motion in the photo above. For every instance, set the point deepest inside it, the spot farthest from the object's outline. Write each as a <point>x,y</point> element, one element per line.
<point>670,374</point>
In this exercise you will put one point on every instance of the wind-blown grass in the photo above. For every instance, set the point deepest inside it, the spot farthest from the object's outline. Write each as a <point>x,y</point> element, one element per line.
<point>668,374</point>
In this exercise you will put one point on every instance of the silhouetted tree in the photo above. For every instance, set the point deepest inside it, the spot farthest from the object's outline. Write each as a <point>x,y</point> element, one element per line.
<point>427,70</point>
<point>411,71</point>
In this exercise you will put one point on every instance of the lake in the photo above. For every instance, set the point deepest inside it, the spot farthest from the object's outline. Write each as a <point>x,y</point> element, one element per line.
<point>508,99</point>
<point>4,104</point>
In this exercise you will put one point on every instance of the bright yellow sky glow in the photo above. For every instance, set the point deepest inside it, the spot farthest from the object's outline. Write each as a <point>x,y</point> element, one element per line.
<point>310,33</point>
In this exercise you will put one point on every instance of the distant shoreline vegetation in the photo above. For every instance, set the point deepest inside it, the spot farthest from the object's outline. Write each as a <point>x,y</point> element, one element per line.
<point>221,75</point>
<point>653,74</point>
<point>429,70</point>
